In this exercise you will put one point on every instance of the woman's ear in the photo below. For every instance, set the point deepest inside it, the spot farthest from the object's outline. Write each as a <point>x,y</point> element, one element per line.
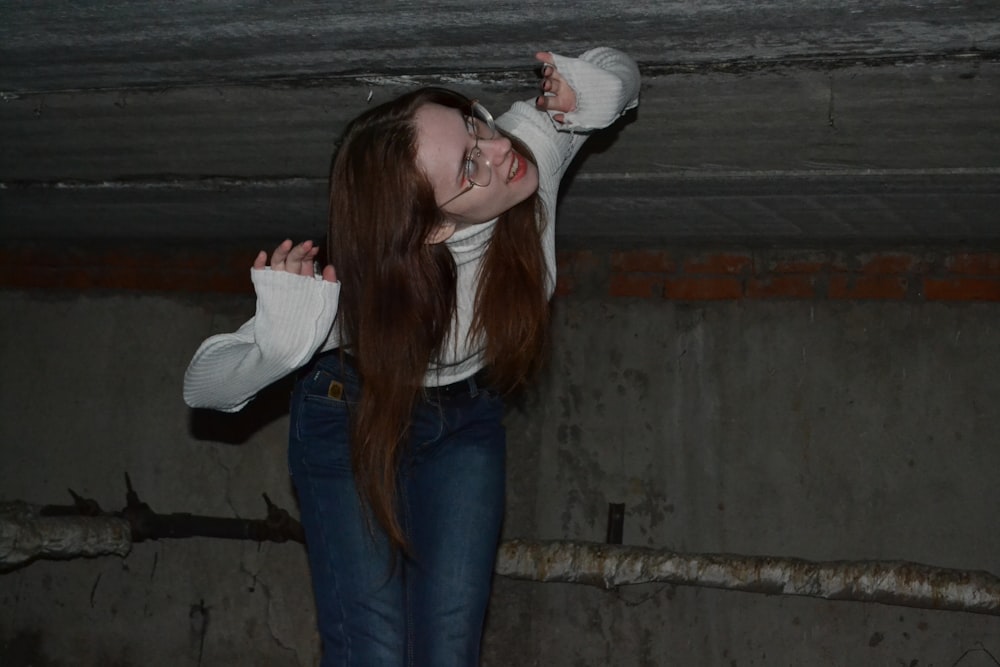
<point>442,232</point>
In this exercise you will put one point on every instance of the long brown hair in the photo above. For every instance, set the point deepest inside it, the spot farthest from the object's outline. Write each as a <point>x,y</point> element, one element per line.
<point>398,300</point>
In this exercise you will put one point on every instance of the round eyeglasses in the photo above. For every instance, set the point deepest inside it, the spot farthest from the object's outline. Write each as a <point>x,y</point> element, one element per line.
<point>477,168</point>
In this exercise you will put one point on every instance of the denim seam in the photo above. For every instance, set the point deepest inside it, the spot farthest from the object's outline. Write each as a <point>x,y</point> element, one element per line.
<point>332,573</point>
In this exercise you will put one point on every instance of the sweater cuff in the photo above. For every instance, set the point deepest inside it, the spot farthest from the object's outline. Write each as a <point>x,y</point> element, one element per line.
<point>294,314</point>
<point>606,83</point>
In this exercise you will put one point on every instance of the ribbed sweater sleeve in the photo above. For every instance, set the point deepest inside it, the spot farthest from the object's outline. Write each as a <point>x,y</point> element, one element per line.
<point>293,320</point>
<point>606,82</point>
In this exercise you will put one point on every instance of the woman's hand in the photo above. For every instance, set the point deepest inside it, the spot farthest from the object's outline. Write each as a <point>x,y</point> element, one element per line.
<point>296,259</point>
<point>557,95</point>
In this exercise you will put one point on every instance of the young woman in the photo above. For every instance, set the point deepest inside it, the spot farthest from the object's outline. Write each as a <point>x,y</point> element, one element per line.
<point>442,235</point>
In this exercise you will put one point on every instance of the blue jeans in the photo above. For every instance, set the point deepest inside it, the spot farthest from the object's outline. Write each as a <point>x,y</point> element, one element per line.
<point>428,610</point>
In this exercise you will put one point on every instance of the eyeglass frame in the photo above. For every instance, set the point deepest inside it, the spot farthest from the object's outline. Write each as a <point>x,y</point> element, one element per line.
<point>470,158</point>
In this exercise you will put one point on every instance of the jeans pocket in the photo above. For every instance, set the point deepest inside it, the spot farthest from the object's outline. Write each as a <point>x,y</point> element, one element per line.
<point>319,421</point>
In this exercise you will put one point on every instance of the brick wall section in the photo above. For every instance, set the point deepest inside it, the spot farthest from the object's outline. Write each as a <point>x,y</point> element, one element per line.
<point>119,266</point>
<point>896,274</point>
<point>676,274</point>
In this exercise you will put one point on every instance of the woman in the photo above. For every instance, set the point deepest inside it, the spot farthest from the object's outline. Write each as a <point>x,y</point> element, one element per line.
<point>442,235</point>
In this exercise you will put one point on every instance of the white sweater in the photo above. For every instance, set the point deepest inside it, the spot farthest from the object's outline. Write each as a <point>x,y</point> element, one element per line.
<point>295,315</point>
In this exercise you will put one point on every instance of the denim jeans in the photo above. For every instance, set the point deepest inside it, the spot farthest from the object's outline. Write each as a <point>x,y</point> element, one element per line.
<point>428,610</point>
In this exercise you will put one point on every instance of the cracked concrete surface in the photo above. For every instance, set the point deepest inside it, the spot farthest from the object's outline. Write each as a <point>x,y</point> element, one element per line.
<point>818,430</point>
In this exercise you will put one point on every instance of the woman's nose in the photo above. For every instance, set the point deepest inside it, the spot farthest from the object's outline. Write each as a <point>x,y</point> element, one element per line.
<point>495,150</point>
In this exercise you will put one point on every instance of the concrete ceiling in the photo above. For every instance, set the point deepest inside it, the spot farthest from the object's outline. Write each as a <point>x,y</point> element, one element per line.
<point>769,122</point>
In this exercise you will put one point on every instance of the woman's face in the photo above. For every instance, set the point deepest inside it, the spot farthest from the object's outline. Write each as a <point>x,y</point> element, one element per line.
<point>443,143</point>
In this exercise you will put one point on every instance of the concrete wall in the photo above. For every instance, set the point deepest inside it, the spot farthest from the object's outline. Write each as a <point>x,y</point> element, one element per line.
<point>781,120</point>
<point>814,427</point>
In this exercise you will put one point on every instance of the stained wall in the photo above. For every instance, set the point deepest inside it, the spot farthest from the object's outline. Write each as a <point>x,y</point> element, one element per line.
<point>747,414</point>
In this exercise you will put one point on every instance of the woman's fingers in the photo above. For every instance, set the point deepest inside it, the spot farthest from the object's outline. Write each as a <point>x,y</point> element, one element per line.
<point>308,266</point>
<point>260,261</point>
<point>557,95</point>
<point>291,258</point>
<point>280,254</point>
<point>548,70</point>
<point>300,259</point>
<point>545,58</point>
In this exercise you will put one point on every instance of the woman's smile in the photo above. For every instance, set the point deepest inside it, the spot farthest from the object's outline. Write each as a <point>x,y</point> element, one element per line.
<point>516,172</point>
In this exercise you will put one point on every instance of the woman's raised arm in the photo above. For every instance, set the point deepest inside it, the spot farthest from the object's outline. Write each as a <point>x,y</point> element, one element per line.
<point>579,95</point>
<point>294,319</point>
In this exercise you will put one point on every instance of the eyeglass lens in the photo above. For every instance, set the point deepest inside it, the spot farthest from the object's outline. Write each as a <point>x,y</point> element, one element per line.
<point>477,169</point>
<point>483,120</point>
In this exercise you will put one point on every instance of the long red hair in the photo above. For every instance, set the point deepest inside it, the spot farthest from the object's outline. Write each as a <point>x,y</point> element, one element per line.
<point>397,304</point>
